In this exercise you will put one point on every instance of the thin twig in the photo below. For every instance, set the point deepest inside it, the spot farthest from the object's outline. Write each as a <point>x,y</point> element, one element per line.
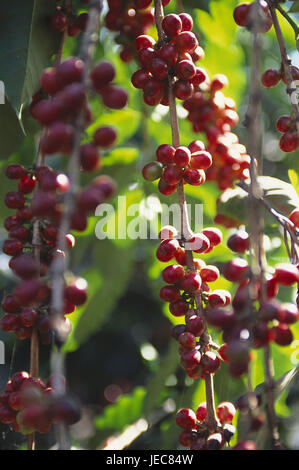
<point>258,259</point>
<point>289,19</point>
<point>286,63</point>
<point>186,232</point>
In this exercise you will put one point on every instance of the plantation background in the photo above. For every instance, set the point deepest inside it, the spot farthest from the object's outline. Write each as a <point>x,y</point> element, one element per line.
<point>120,359</point>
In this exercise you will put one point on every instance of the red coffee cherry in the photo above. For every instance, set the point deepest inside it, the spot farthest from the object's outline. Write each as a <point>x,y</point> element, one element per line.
<point>172,175</point>
<point>286,274</point>
<point>114,97</point>
<point>246,445</point>
<point>271,78</point>
<point>28,317</point>
<point>222,351</point>
<point>10,305</point>
<point>282,334</point>
<point>15,171</point>
<point>201,160</point>
<point>283,123</point>
<point>167,250</point>
<point>152,171</point>
<point>172,25</point>
<point>235,270</point>
<point>209,273</point>
<point>26,184</point>
<point>182,89</point>
<point>191,359</point>
<point>289,142</point>
<point>186,438</point>
<point>143,41</point>
<point>105,136</point>
<point>173,273</point>
<point>194,177</point>
<point>195,325</point>
<point>226,412</point>
<point>186,41</point>
<point>182,156</point>
<point>166,188</point>
<point>178,308</point>
<point>191,282</point>
<point>213,234</point>
<point>187,340</point>
<point>169,54</point>
<point>201,412</point>
<point>220,318</point>
<point>12,247</point>
<point>76,291</point>
<point>14,200</point>
<point>139,78</point>
<point>69,71</point>
<point>239,242</point>
<point>169,293</point>
<point>288,314</point>
<point>165,154</point>
<point>90,157</point>
<point>241,14</point>
<point>187,21</point>
<point>210,362</point>
<point>185,418</point>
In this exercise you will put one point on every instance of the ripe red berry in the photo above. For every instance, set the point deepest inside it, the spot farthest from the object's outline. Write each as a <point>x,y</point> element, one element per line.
<point>10,322</point>
<point>199,243</point>
<point>271,78</point>
<point>286,274</point>
<point>186,41</point>
<point>105,136</point>
<point>191,359</point>
<point>182,156</point>
<point>14,200</point>
<point>10,305</point>
<point>289,142</point>
<point>172,175</point>
<point>158,68</point>
<point>235,270</point>
<point>182,89</point>
<point>241,14</point>
<point>58,22</point>
<point>185,418</point>
<point>76,292</point>
<point>90,157</point>
<point>195,325</point>
<point>283,123</point>
<point>210,362</point>
<point>239,242</point>
<point>169,293</point>
<point>169,54</point>
<point>167,250</point>
<point>15,171</point>
<point>26,184</point>
<point>69,71</point>
<point>226,412</point>
<point>172,25</point>
<point>114,97</point>
<point>283,336</point>
<point>209,273</point>
<point>173,273</point>
<point>220,318</point>
<point>178,308</point>
<point>191,282</point>
<point>165,154</point>
<point>187,21</point>
<point>12,247</point>
<point>28,317</point>
<point>187,340</point>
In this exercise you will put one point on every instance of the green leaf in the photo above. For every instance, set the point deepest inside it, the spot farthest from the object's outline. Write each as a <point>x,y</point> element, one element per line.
<point>168,366</point>
<point>121,156</point>
<point>200,4</point>
<point>294,179</point>
<point>107,283</point>
<point>27,44</point>
<point>295,7</point>
<point>279,194</point>
<point>11,133</point>
<point>125,411</point>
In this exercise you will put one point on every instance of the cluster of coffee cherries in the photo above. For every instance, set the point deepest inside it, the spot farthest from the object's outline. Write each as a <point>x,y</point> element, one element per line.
<point>129,19</point>
<point>260,20</point>
<point>289,141</point>
<point>196,435</point>
<point>28,305</point>
<point>215,115</point>
<point>182,287</point>
<point>245,326</point>
<point>41,192</point>
<point>29,404</point>
<point>175,57</point>
<point>63,20</point>
<point>173,165</point>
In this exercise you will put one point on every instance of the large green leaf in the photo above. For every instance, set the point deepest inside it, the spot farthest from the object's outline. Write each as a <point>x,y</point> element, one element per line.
<point>279,194</point>
<point>107,280</point>
<point>11,133</point>
<point>26,46</point>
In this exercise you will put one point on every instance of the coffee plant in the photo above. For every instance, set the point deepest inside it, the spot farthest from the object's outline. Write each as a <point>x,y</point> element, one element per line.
<point>120,328</point>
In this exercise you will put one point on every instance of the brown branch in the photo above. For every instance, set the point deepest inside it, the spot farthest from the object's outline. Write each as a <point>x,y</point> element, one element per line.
<point>258,259</point>
<point>59,267</point>
<point>186,232</point>
<point>285,64</point>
